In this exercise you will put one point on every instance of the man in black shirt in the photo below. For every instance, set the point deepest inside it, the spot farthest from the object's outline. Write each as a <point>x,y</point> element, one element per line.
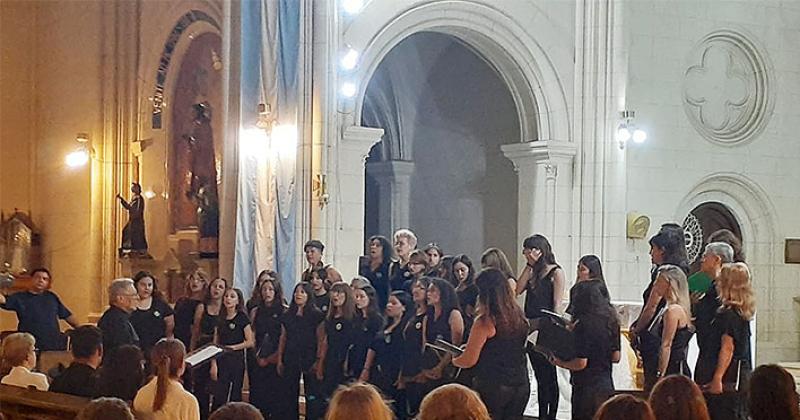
<point>115,322</point>
<point>715,254</point>
<point>38,311</point>
<point>87,351</point>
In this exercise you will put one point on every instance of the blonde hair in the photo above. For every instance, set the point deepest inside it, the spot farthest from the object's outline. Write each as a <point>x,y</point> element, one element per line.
<point>16,349</point>
<point>453,402</point>
<point>358,400</point>
<point>167,357</point>
<point>735,289</point>
<point>678,287</point>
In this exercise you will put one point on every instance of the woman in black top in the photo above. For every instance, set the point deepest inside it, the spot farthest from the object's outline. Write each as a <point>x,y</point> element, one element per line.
<point>597,347</point>
<point>262,361</point>
<point>385,355</point>
<point>377,272</point>
<point>543,280</point>
<point>731,327</point>
<point>255,296</point>
<point>443,321</point>
<point>434,253</point>
<point>337,339</point>
<point>319,283</point>
<point>675,327</point>
<point>185,307</point>
<point>417,268</point>
<point>411,377</point>
<point>496,347</point>
<point>153,318</point>
<point>466,290</point>
<point>368,321</point>
<point>234,333</point>
<point>205,322</point>
<point>301,330</point>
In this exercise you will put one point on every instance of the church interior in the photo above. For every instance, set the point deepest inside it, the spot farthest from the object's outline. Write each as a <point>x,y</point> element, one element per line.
<point>222,135</point>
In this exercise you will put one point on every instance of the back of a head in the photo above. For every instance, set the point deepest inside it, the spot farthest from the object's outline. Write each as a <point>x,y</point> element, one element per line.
<point>15,351</point>
<point>236,411</point>
<point>105,409</point>
<point>453,402</point>
<point>677,397</point>
<point>772,394</point>
<point>625,407</point>
<point>85,341</point>
<point>358,401</point>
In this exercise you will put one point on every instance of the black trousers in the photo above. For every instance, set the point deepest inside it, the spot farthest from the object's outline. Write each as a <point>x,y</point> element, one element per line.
<point>230,379</point>
<point>504,402</point>
<point>267,390</point>
<point>727,406</point>
<point>288,407</point>
<point>546,385</point>
<point>588,397</point>
<point>201,388</point>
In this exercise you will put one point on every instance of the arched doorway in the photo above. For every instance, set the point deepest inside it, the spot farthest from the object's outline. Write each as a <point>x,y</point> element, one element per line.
<point>439,168</point>
<point>701,222</point>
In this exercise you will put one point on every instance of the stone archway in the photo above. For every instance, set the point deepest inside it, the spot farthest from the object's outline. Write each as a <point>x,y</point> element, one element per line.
<point>756,216</point>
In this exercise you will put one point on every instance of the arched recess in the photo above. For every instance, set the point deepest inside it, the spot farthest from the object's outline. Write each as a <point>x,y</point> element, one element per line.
<point>525,67</point>
<point>756,216</point>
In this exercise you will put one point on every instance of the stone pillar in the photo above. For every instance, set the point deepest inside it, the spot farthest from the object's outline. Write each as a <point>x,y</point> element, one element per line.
<point>394,184</point>
<point>349,185</point>
<point>545,191</point>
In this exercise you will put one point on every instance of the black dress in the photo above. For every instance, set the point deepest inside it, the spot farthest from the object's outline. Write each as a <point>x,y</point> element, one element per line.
<point>363,335</point>
<point>340,333</point>
<point>265,383</point>
<point>412,350</point>
<point>501,376</point>
<point>678,353</point>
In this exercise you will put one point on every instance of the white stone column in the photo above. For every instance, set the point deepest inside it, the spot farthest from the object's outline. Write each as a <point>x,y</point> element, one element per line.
<point>394,184</point>
<point>545,192</point>
<point>349,185</point>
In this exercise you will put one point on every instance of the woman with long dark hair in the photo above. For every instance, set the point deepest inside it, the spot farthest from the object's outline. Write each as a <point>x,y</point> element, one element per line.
<point>443,321</point>
<point>368,321</point>
<point>164,397</point>
<point>263,358</point>
<point>301,330</point>
<point>417,267</point>
<point>772,394</point>
<point>235,334</point>
<point>153,318</point>
<point>543,280</point>
<point>255,296</point>
<point>337,339</point>
<point>206,317</point>
<point>589,269</point>
<point>385,354</point>
<point>435,255</point>
<point>411,377</point>
<point>496,347</point>
<point>380,257</point>
<point>597,347</point>
<point>466,290</point>
<point>666,247</point>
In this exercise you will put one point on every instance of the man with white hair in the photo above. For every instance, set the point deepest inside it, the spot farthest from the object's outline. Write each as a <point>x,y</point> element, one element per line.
<point>405,241</point>
<point>115,322</point>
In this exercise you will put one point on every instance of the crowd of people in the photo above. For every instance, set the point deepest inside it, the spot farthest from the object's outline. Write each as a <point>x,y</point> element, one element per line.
<point>354,346</point>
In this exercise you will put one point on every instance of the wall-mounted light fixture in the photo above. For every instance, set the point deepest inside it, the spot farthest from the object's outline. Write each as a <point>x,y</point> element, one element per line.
<point>80,156</point>
<point>627,130</point>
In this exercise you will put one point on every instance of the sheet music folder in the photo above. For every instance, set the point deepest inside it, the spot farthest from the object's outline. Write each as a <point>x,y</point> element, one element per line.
<point>445,346</point>
<point>202,355</point>
<point>553,337</point>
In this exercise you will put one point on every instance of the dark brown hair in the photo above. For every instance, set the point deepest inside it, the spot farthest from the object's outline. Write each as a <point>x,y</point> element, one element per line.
<point>625,407</point>
<point>495,295</point>
<point>677,397</point>
<point>772,394</point>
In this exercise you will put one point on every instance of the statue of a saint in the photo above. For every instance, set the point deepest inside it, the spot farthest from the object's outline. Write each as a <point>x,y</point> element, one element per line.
<point>133,238</point>
<point>208,211</point>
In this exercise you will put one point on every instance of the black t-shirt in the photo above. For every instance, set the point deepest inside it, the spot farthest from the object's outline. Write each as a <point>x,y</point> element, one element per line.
<point>184,319</point>
<point>231,331</point>
<point>726,322</point>
<point>388,348</point>
<point>117,330</point>
<point>323,302</point>
<point>38,314</point>
<point>149,323</point>
<point>78,379</point>
<point>379,279</point>
<point>412,345</point>
<point>399,276</point>
<point>594,342</point>
<point>468,297</point>
<point>704,312</point>
<point>301,337</point>
<point>363,335</point>
<point>340,334</point>
<point>267,329</point>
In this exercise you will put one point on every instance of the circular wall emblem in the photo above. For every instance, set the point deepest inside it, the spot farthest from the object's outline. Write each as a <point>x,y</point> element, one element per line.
<point>727,92</point>
<point>694,237</point>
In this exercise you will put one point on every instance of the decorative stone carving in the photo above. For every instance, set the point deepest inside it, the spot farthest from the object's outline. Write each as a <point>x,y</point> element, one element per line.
<point>727,88</point>
<point>694,236</point>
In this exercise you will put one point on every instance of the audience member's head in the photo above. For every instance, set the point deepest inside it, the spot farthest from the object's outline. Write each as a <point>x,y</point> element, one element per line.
<point>122,373</point>
<point>236,411</point>
<point>105,409</point>
<point>451,402</point>
<point>358,401</point>
<point>677,397</point>
<point>86,344</point>
<point>772,394</point>
<point>19,349</point>
<point>625,407</point>
<point>167,357</point>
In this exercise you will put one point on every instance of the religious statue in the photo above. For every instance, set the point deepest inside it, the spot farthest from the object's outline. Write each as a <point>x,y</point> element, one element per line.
<point>133,237</point>
<point>207,211</point>
<point>17,237</point>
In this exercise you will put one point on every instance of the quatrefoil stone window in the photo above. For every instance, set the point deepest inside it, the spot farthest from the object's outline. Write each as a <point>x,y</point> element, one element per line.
<point>726,93</point>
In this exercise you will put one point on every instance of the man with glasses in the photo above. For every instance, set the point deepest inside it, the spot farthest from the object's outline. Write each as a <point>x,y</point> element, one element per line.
<point>115,322</point>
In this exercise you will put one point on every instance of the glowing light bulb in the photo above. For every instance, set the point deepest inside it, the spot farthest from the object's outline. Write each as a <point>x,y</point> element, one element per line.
<point>350,60</point>
<point>352,7</point>
<point>639,136</point>
<point>623,134</point>
<point>348,89</point>
<point>77,158</point>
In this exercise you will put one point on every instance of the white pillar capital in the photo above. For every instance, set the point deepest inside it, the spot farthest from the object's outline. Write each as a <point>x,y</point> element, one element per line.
<point>391,169</point>
<point>359,140</point>
<point>540,152</point>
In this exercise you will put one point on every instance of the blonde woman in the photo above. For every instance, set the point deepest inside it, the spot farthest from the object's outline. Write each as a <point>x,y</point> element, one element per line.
<point>19,358</point>
<point>732,327</point>
<point>358,401</point>
<point>163,398</point>
<point>676,329</point>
